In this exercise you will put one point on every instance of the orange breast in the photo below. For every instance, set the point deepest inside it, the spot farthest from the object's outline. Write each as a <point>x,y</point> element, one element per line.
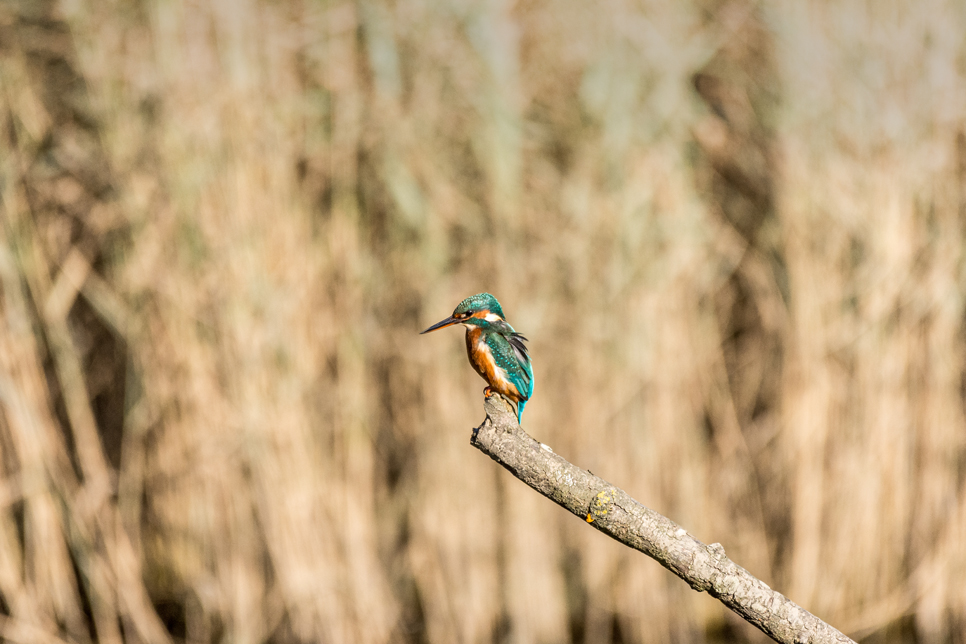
<point>482,360</point>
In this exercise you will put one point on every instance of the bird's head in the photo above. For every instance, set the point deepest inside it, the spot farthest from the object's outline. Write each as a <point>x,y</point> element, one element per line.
<point>481,310</point>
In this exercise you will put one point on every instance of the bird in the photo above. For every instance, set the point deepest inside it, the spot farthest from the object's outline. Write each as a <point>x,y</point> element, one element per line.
<point>496,351</point>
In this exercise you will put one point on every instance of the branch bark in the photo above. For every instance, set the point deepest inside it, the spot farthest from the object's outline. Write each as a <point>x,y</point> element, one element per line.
<point>615,513</point>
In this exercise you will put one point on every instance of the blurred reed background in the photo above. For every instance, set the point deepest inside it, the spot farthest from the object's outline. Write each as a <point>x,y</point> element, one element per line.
<point>733,231</point>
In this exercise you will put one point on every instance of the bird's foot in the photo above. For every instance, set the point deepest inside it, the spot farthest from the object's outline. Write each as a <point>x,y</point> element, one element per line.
<point>487,392</point>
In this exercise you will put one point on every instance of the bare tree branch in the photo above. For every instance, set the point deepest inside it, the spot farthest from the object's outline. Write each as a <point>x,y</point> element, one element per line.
<point>615,513</point>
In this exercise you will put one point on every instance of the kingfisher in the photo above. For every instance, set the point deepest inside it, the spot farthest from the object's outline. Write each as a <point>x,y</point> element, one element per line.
<point>494,348</point>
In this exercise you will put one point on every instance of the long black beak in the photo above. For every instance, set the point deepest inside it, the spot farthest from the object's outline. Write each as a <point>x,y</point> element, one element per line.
<point>439,325</point>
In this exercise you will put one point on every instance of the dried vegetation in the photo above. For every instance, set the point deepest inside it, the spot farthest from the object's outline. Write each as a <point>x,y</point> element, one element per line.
<point>734,233</point>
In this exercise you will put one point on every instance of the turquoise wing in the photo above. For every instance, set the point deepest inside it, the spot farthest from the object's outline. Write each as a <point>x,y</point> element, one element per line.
<point>512,357</point>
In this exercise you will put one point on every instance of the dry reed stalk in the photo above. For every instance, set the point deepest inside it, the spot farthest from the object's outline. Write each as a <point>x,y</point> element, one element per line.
<point>66,551</point>
<point>872,198</point>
